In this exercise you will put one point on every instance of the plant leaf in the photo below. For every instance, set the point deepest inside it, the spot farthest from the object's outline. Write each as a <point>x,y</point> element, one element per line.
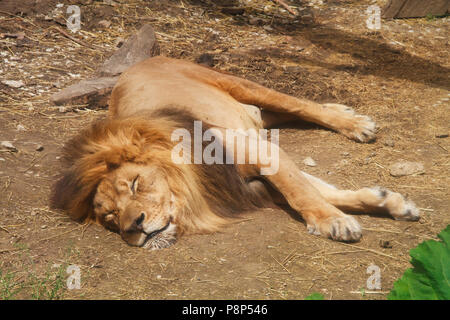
<point>429,279</point>
<point>315,296</point>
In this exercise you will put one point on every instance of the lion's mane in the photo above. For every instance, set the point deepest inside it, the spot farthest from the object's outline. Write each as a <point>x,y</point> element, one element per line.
<point>210,195</point>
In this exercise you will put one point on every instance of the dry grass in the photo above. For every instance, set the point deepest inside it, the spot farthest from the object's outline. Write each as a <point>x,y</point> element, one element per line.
<point>395,76</point>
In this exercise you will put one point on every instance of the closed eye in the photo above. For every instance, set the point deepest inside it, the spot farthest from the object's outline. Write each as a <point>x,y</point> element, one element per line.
<point>134,184</point>
<point>111,221</point>
<point>110,214</point>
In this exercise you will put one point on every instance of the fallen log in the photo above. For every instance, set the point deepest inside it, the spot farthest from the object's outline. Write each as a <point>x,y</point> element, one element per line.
<point>96,90</point>
<point>415,8</point>
<point>91,92</point>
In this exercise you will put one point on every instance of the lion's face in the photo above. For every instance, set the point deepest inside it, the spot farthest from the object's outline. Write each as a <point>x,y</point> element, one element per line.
<point>135,201</point>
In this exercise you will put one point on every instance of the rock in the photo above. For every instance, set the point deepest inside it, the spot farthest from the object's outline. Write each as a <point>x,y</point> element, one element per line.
<point>39,148</point>
<point>92,91</point>
<point>309,162</point>
<point>389,143</point>
<point>19,35</point>
<point>206,59</point>
<point>2,159</point>
<point>293,69</point>
<point>13,83</point>
<point>104,23</point>
<point>385,244</point>
<point>8,146</point>
<point>406,168</point>
<point>135,49</point>
<point>414,8</point>
<point>233,10</point>
<point>119,42</point>
<point>20,128</point>
<point>227,3</point>
<point>29,106</point>
<point>256,21</point>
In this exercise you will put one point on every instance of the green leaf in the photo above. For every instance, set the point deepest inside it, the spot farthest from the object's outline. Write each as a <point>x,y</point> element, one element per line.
<point>429,279</point>
<point>315,296</point>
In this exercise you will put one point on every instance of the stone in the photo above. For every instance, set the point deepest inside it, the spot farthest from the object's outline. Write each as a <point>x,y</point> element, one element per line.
<point>309,162</point>
<point>8,146</point>
<point>389,143</point>
<point>39,148</point>
<point>406,168</point>
<point>104,23</point>
<point>135,49</point>
<point>13,83</point>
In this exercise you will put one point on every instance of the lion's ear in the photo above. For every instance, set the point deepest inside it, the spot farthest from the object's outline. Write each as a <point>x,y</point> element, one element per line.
<point>111,165</point>
<point>116,156</point>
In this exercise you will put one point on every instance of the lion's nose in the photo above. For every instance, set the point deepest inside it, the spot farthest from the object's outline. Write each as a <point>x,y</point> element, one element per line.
<point>138,222</point>
<point>133,219</point>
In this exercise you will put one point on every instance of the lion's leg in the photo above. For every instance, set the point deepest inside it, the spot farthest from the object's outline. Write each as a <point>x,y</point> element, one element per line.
<point>337,117</point>
<point>370,200</point>
<point>321,216</point>
<point>334,116</point>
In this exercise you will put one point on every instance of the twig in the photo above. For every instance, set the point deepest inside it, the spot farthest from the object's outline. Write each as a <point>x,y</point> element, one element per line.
<point>65,34</point>
<point>16,16</point>
<point>58,235</point>
<point>288,8</point>
<point>420,187</point>
<point>398,232</point>
<point>4,229</point>
<point>442,147</point>
<point>370,292</point>
<point>371,250</point>
<point>280,264</point>
<point>342,252</point>
<point>9,250</point>
<point>33,162</point>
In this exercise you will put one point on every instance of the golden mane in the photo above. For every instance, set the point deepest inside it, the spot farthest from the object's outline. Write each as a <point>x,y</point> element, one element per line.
<point>209,194</point>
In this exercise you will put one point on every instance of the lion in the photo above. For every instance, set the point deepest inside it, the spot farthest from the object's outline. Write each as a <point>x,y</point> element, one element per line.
<point>120,172</point>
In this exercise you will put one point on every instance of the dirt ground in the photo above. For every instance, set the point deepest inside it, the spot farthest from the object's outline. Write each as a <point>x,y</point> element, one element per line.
<point>398,75</point>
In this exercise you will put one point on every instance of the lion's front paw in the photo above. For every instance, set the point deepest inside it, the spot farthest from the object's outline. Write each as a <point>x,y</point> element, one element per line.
<point>356,127</point>
<point>343,228</point>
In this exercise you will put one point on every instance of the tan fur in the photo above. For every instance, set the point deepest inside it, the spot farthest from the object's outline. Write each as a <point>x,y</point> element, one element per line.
<point>119,171</point>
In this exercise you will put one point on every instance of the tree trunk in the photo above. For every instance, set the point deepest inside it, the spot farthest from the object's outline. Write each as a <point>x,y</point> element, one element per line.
<point>415,8</point>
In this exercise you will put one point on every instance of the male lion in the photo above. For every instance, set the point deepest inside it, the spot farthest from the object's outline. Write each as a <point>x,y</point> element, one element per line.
<point>120,171</point>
